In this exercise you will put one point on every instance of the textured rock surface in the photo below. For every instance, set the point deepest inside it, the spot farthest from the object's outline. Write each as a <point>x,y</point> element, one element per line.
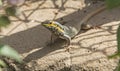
<point>89,49</point>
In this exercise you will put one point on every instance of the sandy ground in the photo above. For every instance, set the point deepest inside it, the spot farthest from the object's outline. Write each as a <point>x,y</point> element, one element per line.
<point>89,50</point>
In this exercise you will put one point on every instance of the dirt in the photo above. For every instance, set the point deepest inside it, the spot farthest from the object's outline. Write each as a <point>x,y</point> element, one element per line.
<point>89,49</point>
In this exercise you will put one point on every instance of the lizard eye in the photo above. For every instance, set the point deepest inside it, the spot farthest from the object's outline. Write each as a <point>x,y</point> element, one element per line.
<point>50,23</point>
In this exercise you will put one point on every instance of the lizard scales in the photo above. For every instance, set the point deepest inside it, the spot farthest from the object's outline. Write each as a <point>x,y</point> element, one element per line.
<point>70,30</point>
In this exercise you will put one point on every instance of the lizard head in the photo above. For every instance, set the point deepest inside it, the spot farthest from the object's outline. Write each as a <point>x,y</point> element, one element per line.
<point>56,29</point>
<point>53,26</point>
<point>47,24</point>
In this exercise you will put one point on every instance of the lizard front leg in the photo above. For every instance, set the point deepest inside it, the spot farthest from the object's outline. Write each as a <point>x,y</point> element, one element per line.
<point>52,38</point>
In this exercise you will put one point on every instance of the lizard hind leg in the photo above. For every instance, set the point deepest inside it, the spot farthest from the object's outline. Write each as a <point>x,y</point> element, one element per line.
<point>86,26</point>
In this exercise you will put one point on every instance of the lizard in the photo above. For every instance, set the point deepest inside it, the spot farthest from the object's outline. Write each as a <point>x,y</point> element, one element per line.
<point>68,32</point>
<point>57,30</point>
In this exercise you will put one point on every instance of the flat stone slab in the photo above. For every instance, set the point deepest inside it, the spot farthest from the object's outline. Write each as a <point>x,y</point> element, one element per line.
<point>89,49</point>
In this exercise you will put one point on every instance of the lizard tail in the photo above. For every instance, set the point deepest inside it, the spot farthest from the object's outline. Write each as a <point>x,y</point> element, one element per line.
<point>86,18</point>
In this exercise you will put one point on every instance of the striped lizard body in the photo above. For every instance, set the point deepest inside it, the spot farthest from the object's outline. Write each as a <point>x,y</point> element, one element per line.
<point>68,31</point>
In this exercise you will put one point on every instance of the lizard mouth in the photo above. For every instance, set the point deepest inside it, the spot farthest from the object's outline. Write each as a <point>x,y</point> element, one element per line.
<point>45,24</point>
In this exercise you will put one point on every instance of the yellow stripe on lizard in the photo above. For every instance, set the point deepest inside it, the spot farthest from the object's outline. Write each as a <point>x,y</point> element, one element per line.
<point>55,26</point>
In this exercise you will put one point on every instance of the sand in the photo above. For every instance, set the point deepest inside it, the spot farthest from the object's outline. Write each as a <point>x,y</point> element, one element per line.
<point>89,49</point>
